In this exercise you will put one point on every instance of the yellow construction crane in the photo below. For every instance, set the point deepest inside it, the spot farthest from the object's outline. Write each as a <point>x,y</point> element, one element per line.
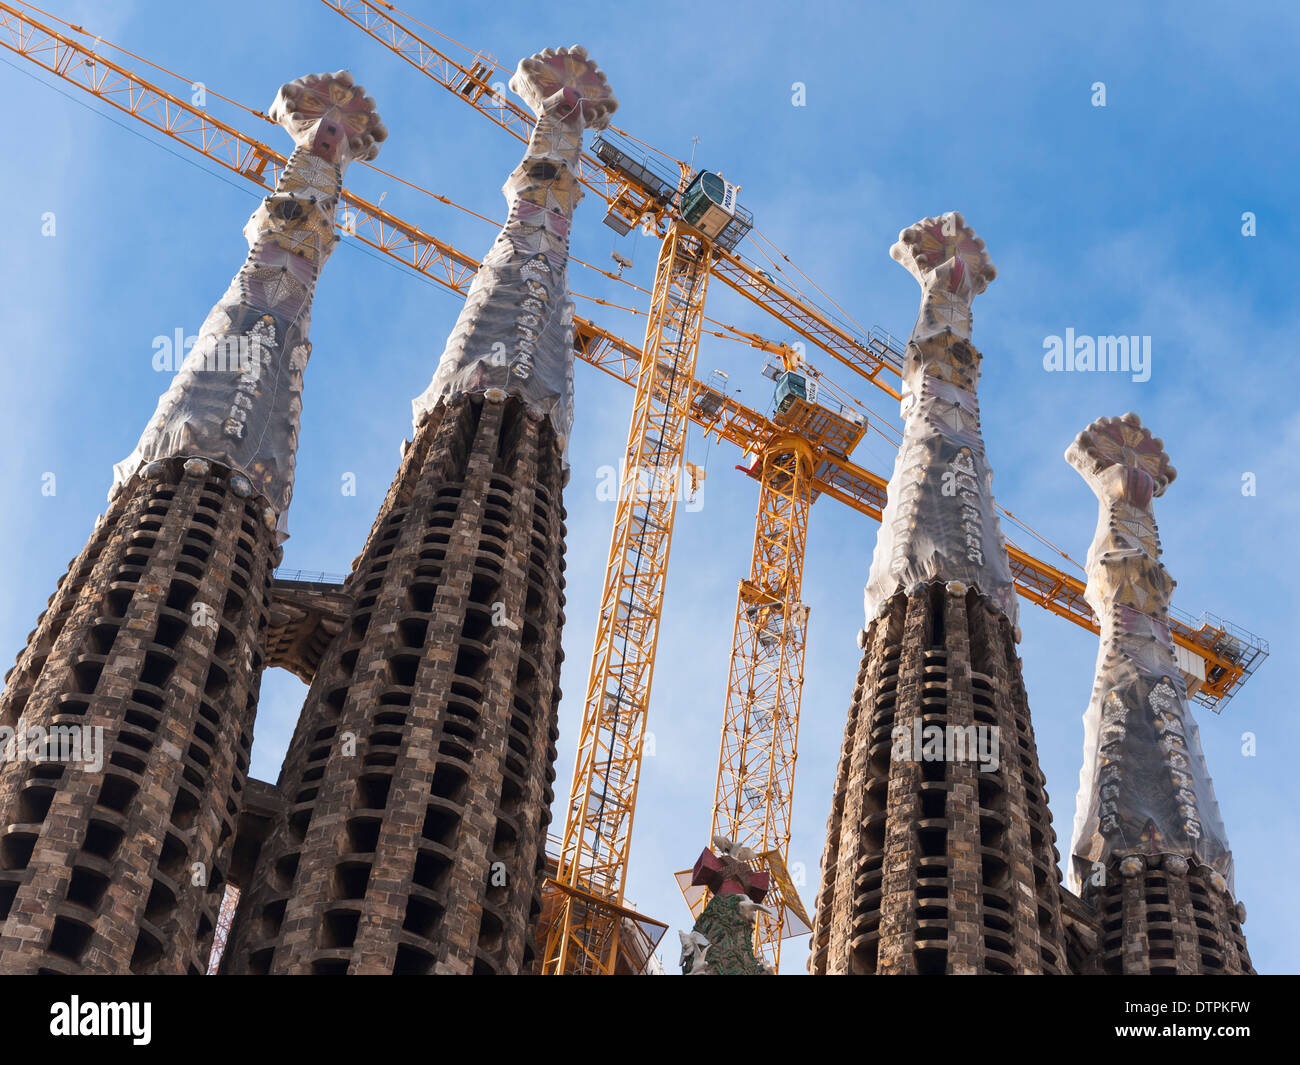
<point>701,228</point>
<point>754,791</point>
<point>799,454</point>
<point>701,224</point>
<point>583,937</point>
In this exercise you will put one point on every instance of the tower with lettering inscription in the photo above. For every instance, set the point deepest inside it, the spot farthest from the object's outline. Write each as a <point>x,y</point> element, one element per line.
<point>939,855</point>
<point>1149,852</point>
<point>136,693</point>
<point>418,782</point>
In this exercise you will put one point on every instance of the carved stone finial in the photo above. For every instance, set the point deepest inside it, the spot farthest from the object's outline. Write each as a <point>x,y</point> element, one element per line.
<point>945,249</point>
<point>331,115</point>
<point>1124,442</point>
<point>561,79</point>
<point>730,872</point>
<point>1133,865</point>
<point>722,941</point>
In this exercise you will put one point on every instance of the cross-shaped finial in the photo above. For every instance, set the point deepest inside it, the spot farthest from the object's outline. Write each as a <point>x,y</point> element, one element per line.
<point>729,875</point>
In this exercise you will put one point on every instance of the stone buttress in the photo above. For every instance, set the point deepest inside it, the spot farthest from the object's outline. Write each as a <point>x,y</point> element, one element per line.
<point>151,647</point>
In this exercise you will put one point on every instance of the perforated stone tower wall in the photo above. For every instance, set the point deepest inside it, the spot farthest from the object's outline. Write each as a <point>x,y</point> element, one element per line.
<point>152,649</point>
<point>939,855</point>
<point>936,866</point>
<point>98,868</point>
<point>418,782</point>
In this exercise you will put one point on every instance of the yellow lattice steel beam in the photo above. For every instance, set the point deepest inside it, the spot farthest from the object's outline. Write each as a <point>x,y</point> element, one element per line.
<point>598,828</point>
<point>760,727</point>
<point>834,475</point>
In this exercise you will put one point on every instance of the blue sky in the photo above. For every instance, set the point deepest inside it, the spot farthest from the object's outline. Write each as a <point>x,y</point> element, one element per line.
<point>1117,220</point>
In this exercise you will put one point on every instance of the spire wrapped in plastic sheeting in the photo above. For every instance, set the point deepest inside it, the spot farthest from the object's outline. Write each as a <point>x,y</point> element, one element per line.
<point>1144,787</point>
<point>939,522</point>
<point>515,332</point>
<point>237,396</point>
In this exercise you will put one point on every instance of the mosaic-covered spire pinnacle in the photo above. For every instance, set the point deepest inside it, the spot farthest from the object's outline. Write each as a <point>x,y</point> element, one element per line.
<point>514,335</point>
<point>560,79</point>
<point>238,395</point>
<point>952,266</point>
<point>1122,444</point>
<point>1144,789</point>
<point>939,522</point>
<point>330,115</point>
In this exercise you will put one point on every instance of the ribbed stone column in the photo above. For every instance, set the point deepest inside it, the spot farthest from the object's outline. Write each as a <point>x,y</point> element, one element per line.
<point>1149,847</point>
<point>419,778</point>
<point>142,677</point>
<point>939,854</point>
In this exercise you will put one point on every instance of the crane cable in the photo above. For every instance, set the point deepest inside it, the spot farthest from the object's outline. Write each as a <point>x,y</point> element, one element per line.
<point>840,393</point>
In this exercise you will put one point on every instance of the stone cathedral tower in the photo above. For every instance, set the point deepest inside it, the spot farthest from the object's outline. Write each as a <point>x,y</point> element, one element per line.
<point>1149,848</point>
<point>418,781</point>
<point>939,855</point>
<point>150,652</point>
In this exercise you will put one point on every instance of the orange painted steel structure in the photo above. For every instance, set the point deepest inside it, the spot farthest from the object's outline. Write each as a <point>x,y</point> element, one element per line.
<point>1228,661</point>
<point>583,938</point>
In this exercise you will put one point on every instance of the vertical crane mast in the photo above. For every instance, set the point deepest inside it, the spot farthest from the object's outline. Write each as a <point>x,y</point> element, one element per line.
<point>754,795</point>
<point>583,937</point>
<point>1221,656</point>
<point>760,725</point>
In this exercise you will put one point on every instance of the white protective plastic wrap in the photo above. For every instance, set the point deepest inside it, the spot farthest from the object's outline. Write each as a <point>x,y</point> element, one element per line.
<point>515,332</point>
<point>1144,787</point>
<point>237,396</point>
<point>939,522</point>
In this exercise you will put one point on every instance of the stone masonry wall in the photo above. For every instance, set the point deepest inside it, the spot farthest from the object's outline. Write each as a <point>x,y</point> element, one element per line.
<point>154,638</point>
<point>418,783</point>
<point>935,866</point>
